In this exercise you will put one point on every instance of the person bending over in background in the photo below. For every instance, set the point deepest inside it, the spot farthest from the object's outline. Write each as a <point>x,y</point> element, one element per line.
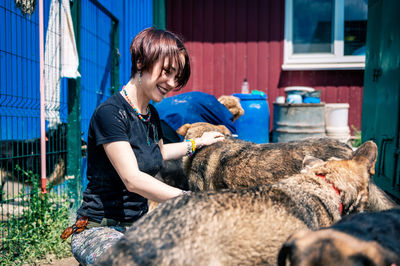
<point>125,145</point>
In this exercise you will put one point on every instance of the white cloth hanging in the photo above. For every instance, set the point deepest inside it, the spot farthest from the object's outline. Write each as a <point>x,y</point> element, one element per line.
<point>60,58</point>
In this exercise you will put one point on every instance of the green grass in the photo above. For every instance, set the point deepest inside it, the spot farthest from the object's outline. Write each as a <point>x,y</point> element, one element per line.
<point>35,235</point>
<point>356,142</point>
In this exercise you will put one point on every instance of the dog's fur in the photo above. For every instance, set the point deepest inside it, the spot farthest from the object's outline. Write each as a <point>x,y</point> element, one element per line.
<point>196,130</point>
<point>232,103</point>
<point>359,239</point>
<point>245,227</point>
<point>234,163</point>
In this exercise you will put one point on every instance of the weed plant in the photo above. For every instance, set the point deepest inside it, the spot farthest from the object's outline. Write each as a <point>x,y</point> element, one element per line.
<point>35,235</point>
<point>357,137</point>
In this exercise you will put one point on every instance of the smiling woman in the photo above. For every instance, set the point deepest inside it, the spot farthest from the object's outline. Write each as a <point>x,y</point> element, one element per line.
<point>126,148</point>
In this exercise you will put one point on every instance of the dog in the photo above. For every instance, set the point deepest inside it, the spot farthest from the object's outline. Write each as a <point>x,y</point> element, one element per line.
<point>234,163</point>
<point>20,160</point>
<point>246,226</point>
<point>359,239</point>
<point>232,103</point>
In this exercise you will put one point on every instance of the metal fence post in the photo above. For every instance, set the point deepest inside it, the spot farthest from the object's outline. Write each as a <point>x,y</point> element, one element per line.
<point>159,14</point>
<point>74,144</point>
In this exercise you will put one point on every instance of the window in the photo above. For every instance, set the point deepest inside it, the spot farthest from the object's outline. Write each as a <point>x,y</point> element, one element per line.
<point>325,34</point>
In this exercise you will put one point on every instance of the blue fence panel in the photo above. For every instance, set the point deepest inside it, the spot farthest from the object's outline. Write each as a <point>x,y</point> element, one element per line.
<point>96,50</point>
<point>137,15</point>
<point>19,61</point>
<point>19,73</point>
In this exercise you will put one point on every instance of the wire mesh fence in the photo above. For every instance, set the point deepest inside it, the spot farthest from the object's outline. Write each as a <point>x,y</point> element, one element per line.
<point>20,167</point>
<point>69,105</point>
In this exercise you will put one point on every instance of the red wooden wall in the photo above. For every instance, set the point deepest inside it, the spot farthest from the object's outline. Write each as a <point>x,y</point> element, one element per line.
<point>229,40</point>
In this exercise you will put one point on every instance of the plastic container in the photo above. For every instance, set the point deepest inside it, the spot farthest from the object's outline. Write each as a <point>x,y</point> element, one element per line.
<point>298,90</point>
<point>308,99</point>
<point>245,86</point>
<point>312,97</point>
<point>254,124</point>
<point>336,121</point>
<point>294,98</point>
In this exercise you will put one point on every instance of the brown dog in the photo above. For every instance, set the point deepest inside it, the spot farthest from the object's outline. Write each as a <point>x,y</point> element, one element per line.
<point>246,227</point>
<point>196,130</point>
<point>234,163</point>
<point>232,103</point>
<point>359,239</point>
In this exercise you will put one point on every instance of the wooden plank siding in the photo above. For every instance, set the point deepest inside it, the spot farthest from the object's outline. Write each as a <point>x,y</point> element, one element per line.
<point>229,40</point>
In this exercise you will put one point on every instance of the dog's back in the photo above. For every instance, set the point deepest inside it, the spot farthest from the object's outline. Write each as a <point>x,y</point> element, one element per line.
<point>234,163</point>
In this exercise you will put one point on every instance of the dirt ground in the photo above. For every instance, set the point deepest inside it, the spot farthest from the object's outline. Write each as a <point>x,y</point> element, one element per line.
<point>71,261</point>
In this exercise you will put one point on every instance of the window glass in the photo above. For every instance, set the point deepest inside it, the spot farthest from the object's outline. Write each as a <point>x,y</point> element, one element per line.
<point>355,26</point>
<point>312,26</point>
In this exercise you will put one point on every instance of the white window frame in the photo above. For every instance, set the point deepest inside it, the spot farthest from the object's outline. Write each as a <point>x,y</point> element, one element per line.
<point>320,61</point>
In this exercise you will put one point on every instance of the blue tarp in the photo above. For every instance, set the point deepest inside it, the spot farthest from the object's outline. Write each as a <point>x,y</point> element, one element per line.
<point>192,107</point>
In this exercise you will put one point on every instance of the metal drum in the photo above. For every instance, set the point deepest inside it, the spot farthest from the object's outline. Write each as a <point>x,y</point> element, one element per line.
<point>298,121</point>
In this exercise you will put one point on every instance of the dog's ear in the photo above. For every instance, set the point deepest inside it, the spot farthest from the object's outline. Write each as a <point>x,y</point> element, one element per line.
<point>309,162</point>
<point>224,130</point>
<point>286,250</point>
<point>183,129</point>
<point>367,152</point>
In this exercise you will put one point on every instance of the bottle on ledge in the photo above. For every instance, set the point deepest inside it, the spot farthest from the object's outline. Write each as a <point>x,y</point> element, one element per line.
<point>245,86</point>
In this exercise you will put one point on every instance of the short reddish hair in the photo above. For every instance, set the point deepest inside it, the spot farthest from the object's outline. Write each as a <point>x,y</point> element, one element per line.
<point>152,44</point>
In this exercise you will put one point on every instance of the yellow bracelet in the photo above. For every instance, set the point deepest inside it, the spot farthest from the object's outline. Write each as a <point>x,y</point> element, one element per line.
<point>191,150</point>
<point>193,145</point>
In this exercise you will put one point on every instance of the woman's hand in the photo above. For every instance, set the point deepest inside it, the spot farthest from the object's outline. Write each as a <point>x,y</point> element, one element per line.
<point>209,138</point>
<point>172,151</point>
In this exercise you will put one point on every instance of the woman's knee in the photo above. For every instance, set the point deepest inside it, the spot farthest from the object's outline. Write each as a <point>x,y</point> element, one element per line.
<point>90,244</point>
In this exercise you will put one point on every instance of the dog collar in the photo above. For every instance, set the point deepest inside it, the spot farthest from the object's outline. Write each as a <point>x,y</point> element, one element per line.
<point>337,192</point>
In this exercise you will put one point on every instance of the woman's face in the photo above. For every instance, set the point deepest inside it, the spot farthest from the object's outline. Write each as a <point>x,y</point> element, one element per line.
<point>160,80</point>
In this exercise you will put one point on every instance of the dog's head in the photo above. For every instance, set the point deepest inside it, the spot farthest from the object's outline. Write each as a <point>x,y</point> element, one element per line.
<point>351,177</point>
<point>332,247</point>
<point>232,103</point>
<point>196,130</point>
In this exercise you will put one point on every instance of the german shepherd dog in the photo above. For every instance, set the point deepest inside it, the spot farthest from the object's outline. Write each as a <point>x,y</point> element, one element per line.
<point>234,163</point>
<point>247,226</point>
<point>360,239</point>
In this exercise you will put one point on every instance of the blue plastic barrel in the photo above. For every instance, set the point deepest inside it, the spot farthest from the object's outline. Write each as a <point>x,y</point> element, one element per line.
<point>254,124</point>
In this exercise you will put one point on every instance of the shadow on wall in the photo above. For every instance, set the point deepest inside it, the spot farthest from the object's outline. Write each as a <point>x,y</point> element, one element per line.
<point>322,78</point>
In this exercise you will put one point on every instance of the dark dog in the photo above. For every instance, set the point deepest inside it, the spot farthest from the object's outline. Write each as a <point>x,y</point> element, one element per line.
<point>359,239</point>
<point>246,227</point>
<point>234,163</point>
<point>20,159</point>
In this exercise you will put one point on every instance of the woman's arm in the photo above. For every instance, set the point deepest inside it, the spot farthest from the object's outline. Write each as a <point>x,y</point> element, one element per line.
<point>124,161</point>
<point>178,150</point>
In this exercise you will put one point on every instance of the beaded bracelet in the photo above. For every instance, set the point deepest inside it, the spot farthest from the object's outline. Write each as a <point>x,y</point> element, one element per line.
<point>191,147</point>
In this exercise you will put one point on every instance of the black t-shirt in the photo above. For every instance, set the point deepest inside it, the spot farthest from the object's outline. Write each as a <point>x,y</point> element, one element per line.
<point>106,195</point>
